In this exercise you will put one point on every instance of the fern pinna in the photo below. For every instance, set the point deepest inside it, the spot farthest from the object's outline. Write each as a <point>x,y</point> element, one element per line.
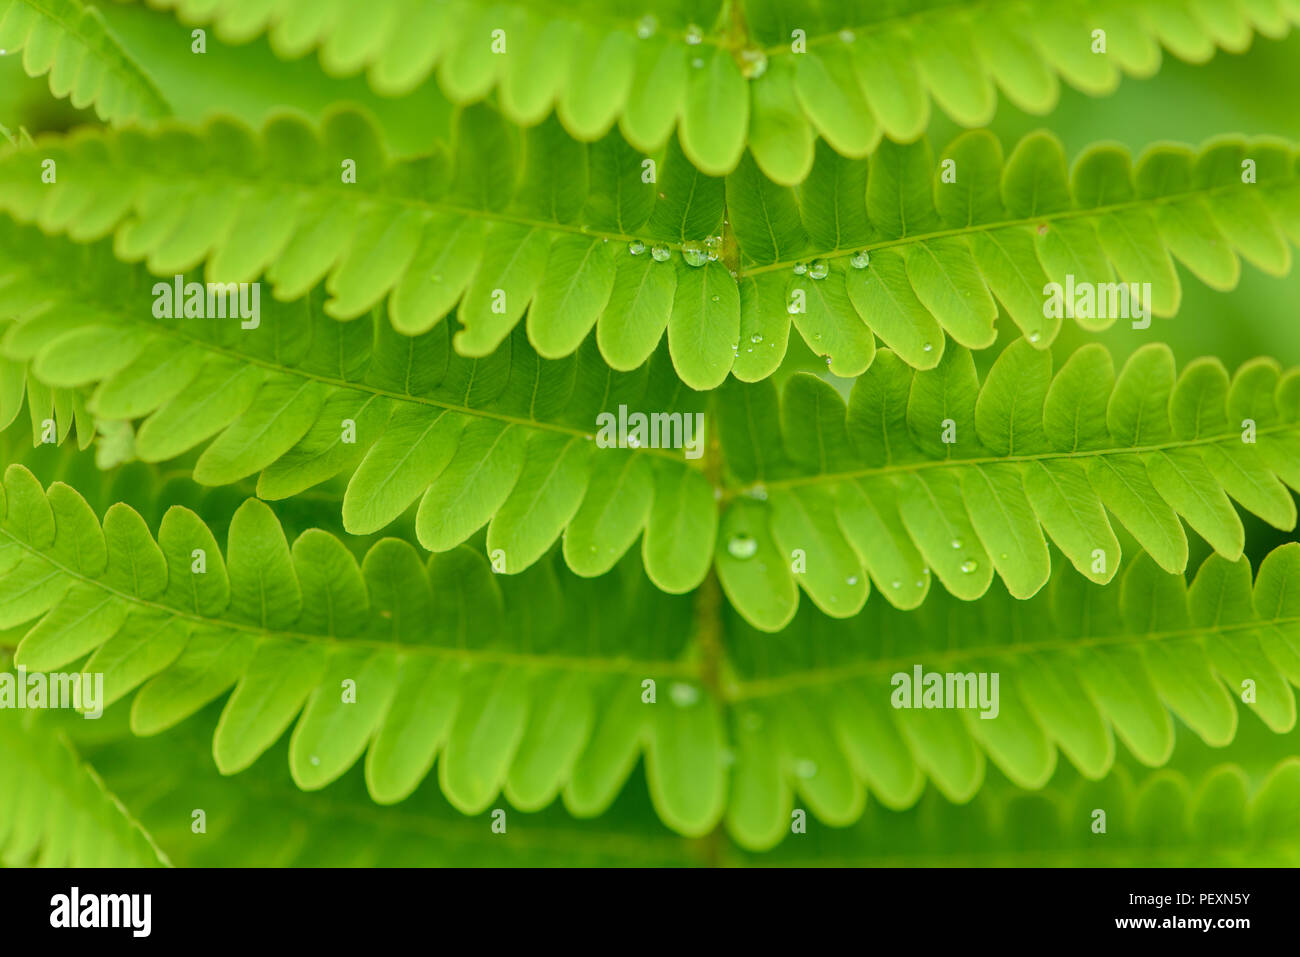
<point>631,417</point>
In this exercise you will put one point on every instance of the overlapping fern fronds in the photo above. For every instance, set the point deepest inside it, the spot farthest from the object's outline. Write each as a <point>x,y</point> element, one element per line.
<point>510,223</point>
<point>536,687</point>
<point>769,75</point>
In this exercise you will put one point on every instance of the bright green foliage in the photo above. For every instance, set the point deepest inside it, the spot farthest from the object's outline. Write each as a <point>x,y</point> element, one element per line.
<point>512,223</point>
<point>69,40</point>
<point>55,810</point>
<point>1207,812</point>
<point>727,75</point>
<point>521,303</point>
<point>919,475</point>
<point>556,702</point>
<point>934,471</point>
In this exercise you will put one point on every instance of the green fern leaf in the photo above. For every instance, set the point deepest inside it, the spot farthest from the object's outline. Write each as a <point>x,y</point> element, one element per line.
<point>453,661</point>
<point>86,63</point>
<point>773,75</point>
<point>55,810</point>
<point>876,489</point>
<point>531,222</point>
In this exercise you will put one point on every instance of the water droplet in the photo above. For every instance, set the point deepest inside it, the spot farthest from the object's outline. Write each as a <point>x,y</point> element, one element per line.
<point>926,571</point>
<point>956,543</point>
<point>920,583</point>
<point>805,769</point>
<point>800,268</point>
<point>792,309</point>
<point>634,442</point>
<point>694,253</point>
<point>1042,229</point>
<point>926,347</point>
<point>1034,337</point>
<point>753,63</point>
<point>860,259</point>
<point>683,695</point>
<point>756,338</point>
<point>895,584</point>
<point>315,760</point>
<point>968,566</point>
<point>713,246</point>
<point>742,546</point>
<point>759,492</point>
<point>851,580</point>
<point>697,63</point>
<point>659,253</point>
<point>646,26</point>
<point>636,247</point>
<point>828,360</point>
<point>820,269</point>
<point>694,35</point>
<point>847,36</point>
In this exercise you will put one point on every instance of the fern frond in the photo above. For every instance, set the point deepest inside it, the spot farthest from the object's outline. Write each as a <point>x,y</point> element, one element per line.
<point>532,222</point>
<point>261,819</point>
<point>505,441</point>
<point>933,470</point>
<point>70,41</point>
<point>1217,818</point>
<point>725,75</point>
<point>1079,665</point>
<point>877,489</point>
<point>55,810</point>
<point>532,687</point>
<point>1242,813</point>
<point>427,650</point>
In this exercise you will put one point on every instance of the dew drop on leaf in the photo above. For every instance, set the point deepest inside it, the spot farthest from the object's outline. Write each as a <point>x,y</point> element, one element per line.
<point>694,35</point>
<point>646,26</point>
<point>694,253</point>
<point>820,269</point>
<point>860,260</point>
<point>659,253</point>
<point>683,694</point>
<point>956,543</point>
<point>756,338</point>
<point>805,769</point>
<point>753,63</point>
<point>742,546</point>
<point>968,566</point>
<point>800,268</point>
<point>636,247</point>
